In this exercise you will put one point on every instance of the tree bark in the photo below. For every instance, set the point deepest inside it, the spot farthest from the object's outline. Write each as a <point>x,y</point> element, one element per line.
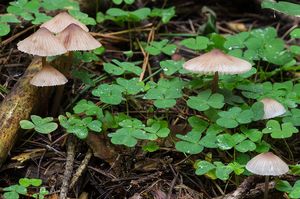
<point>17,106</point>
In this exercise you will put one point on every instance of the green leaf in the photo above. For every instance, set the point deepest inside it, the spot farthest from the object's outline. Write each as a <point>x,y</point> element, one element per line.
<point>294,118</point>
<point>278,131</point>
<point>165,14</point>
<point>170,66</point>
<point>245,146</point>
<point>11,195</point>
<point>156,48</point>
<point>222,171</point>
<point>203,167</point>
<point>117,2</point>
<point>253,134</point>
<point>4,29</point>
<point>165,92</point>
<point>89,108</point>
<point>25,124</point>
<point>295,193</point>
<point>46,128</point>
<point>236,41</point>
<point>282,6</point>
<point>9,18</point>
<point>284,186</point>
<point>110,94</point>
<point>225,141</point>
<point>205,100</point>
<point>198,43</point>
<point>132,86</point>
<point>80,131</point>
<point>295,33</point>
<point>151,147</point>
<point>95,125</point>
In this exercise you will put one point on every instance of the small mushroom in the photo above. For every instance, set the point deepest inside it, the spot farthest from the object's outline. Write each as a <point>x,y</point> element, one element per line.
<point>75,38</point>
<point>48,76</point>
<point>42,43</point>
<point>272,108</point>
<point>61,21</point>
<point>216,62</point>
<point>267,164</point>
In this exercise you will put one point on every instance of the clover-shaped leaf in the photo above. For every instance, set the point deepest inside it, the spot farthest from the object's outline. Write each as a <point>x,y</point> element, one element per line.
<point>222,171</point>
<point>165,14</point>
<point>198,43</point>
<point>89,108</point>
<point>165,92</point>
<point>158,128</point>
<point>110,94</point>
<point>131,131</point>
<point>253,134</point>
<point>170,66</point>
<point>119,68</point>
<point>41,125</point>
<point>278,131</point>
<point>203,167</point>
<point>190,143</point>
<point>234,116</point>
<point>294,117</point>
<point>158,47</point>
<point>80,127</point>
<point>245,146</point>
<point>204,100</point>
<point>225,141</point>
<point>132,86</point>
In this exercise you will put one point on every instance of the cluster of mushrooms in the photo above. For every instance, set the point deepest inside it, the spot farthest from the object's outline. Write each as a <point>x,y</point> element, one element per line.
<point>216,62</point>
<point>61,34</point>
<point>64,34</point>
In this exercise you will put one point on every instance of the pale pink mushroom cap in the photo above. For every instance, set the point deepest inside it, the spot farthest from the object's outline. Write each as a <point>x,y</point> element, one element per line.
<point>217,61</point>
<point>61,21</point>
<point>42,43</point>
<point>48,76</point>
<point>75,39</point>
<point>272,108</point>
<point>267,164</point>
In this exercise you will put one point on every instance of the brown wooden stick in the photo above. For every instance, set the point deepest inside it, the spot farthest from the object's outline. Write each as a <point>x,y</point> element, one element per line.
<point>71,145</point>
<point>17,106</point>
<point>81,168</point>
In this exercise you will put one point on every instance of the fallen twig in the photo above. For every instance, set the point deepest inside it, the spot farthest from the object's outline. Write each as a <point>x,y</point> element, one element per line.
<point>69,167</point>
<point>81,168</point>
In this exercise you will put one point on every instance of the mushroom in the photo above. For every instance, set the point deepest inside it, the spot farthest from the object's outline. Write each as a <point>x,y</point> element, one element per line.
<point>267,164</point>
<point>61,21</point>
<point>75,38</point>
<point>48,76</point>
<point>42,43</point>
<point>216,62</point>
<point>272,108</point>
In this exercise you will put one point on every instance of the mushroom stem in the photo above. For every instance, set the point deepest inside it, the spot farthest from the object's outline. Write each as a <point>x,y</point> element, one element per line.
<point>60,89</point>
<point>44,61</point>
<point>266,187</point>
<point>215,82</point>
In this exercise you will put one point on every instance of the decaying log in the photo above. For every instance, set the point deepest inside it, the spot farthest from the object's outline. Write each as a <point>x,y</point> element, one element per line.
<point>17,106</point>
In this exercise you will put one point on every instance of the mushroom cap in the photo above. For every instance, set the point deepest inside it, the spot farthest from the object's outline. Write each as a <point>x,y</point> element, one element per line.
<point>217,61</point>
<point>48,76</point>
<point>61,21</point>
<point>272,108</point>
<point>42,43</point>
<point>267,164</point>
<point>74,39</point>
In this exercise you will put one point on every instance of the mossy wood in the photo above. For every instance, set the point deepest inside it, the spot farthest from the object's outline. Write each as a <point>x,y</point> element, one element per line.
<point>17,106</point>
